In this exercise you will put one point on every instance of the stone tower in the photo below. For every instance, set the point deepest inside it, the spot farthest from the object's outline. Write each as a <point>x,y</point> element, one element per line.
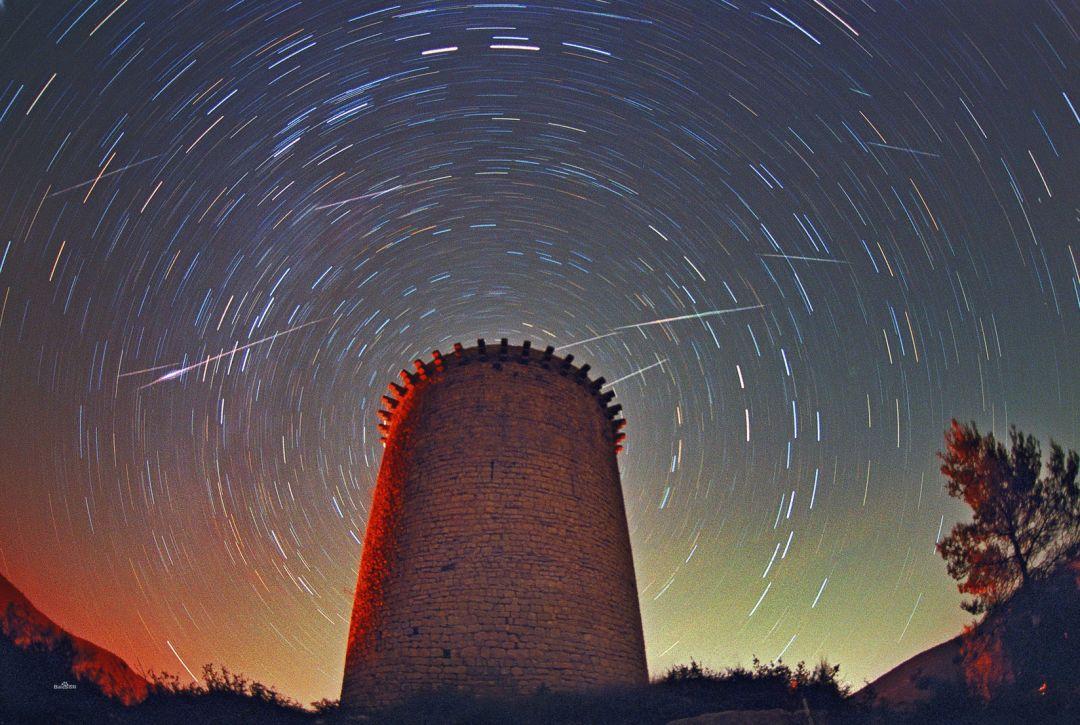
<point>497,559</point>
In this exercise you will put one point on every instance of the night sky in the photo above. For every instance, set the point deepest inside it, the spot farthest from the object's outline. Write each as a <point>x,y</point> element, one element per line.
<point>800,236</point>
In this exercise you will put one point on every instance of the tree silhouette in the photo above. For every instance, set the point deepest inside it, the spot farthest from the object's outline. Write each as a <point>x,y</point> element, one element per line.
<point>1024,524</point>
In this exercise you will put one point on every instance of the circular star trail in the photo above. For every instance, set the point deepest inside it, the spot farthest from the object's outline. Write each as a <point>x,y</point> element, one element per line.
<point>799,236</point>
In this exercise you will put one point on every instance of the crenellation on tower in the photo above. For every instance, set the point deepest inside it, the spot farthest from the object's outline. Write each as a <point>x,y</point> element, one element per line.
<point>426,370</point>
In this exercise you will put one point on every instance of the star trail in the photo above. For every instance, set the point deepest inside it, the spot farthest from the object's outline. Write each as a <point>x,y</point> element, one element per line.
<point>799,236</point>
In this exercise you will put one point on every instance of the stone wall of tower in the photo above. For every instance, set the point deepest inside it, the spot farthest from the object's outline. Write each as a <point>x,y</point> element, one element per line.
<point>497,558</point>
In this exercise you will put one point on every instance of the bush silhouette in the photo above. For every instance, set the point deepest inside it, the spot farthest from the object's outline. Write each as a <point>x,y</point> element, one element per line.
<point>222,696</point>
<point>683,691</point>
<point>764,685</point>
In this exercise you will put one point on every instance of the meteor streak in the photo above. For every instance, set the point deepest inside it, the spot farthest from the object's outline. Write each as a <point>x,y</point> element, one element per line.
<point>377,194</point>
<point>806,259</point>
<point>145,370</point>
<point>121,170</point>
<point>590,339</point>
<point>636,372</point>
<point>917,152</point>
<point>695,316</point>
<point>174,374</point>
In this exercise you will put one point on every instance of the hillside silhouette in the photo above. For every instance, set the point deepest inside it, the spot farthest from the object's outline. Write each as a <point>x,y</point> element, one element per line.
<point>1019,659</point>
<point>26,628</point>
<point>48,675</point>
<point>1018,560</point>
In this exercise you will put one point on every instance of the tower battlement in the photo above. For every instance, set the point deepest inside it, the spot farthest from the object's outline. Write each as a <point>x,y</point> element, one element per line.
<point>499,356</point>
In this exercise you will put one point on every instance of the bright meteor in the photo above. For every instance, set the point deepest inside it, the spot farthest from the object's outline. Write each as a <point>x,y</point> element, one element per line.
<point>805,259</point>
<point>174,374</point>
<point>639,371</point>
<point>381,192</point>
<point>588,339</point>
<point>694,316</point>
<point>105,175</point>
